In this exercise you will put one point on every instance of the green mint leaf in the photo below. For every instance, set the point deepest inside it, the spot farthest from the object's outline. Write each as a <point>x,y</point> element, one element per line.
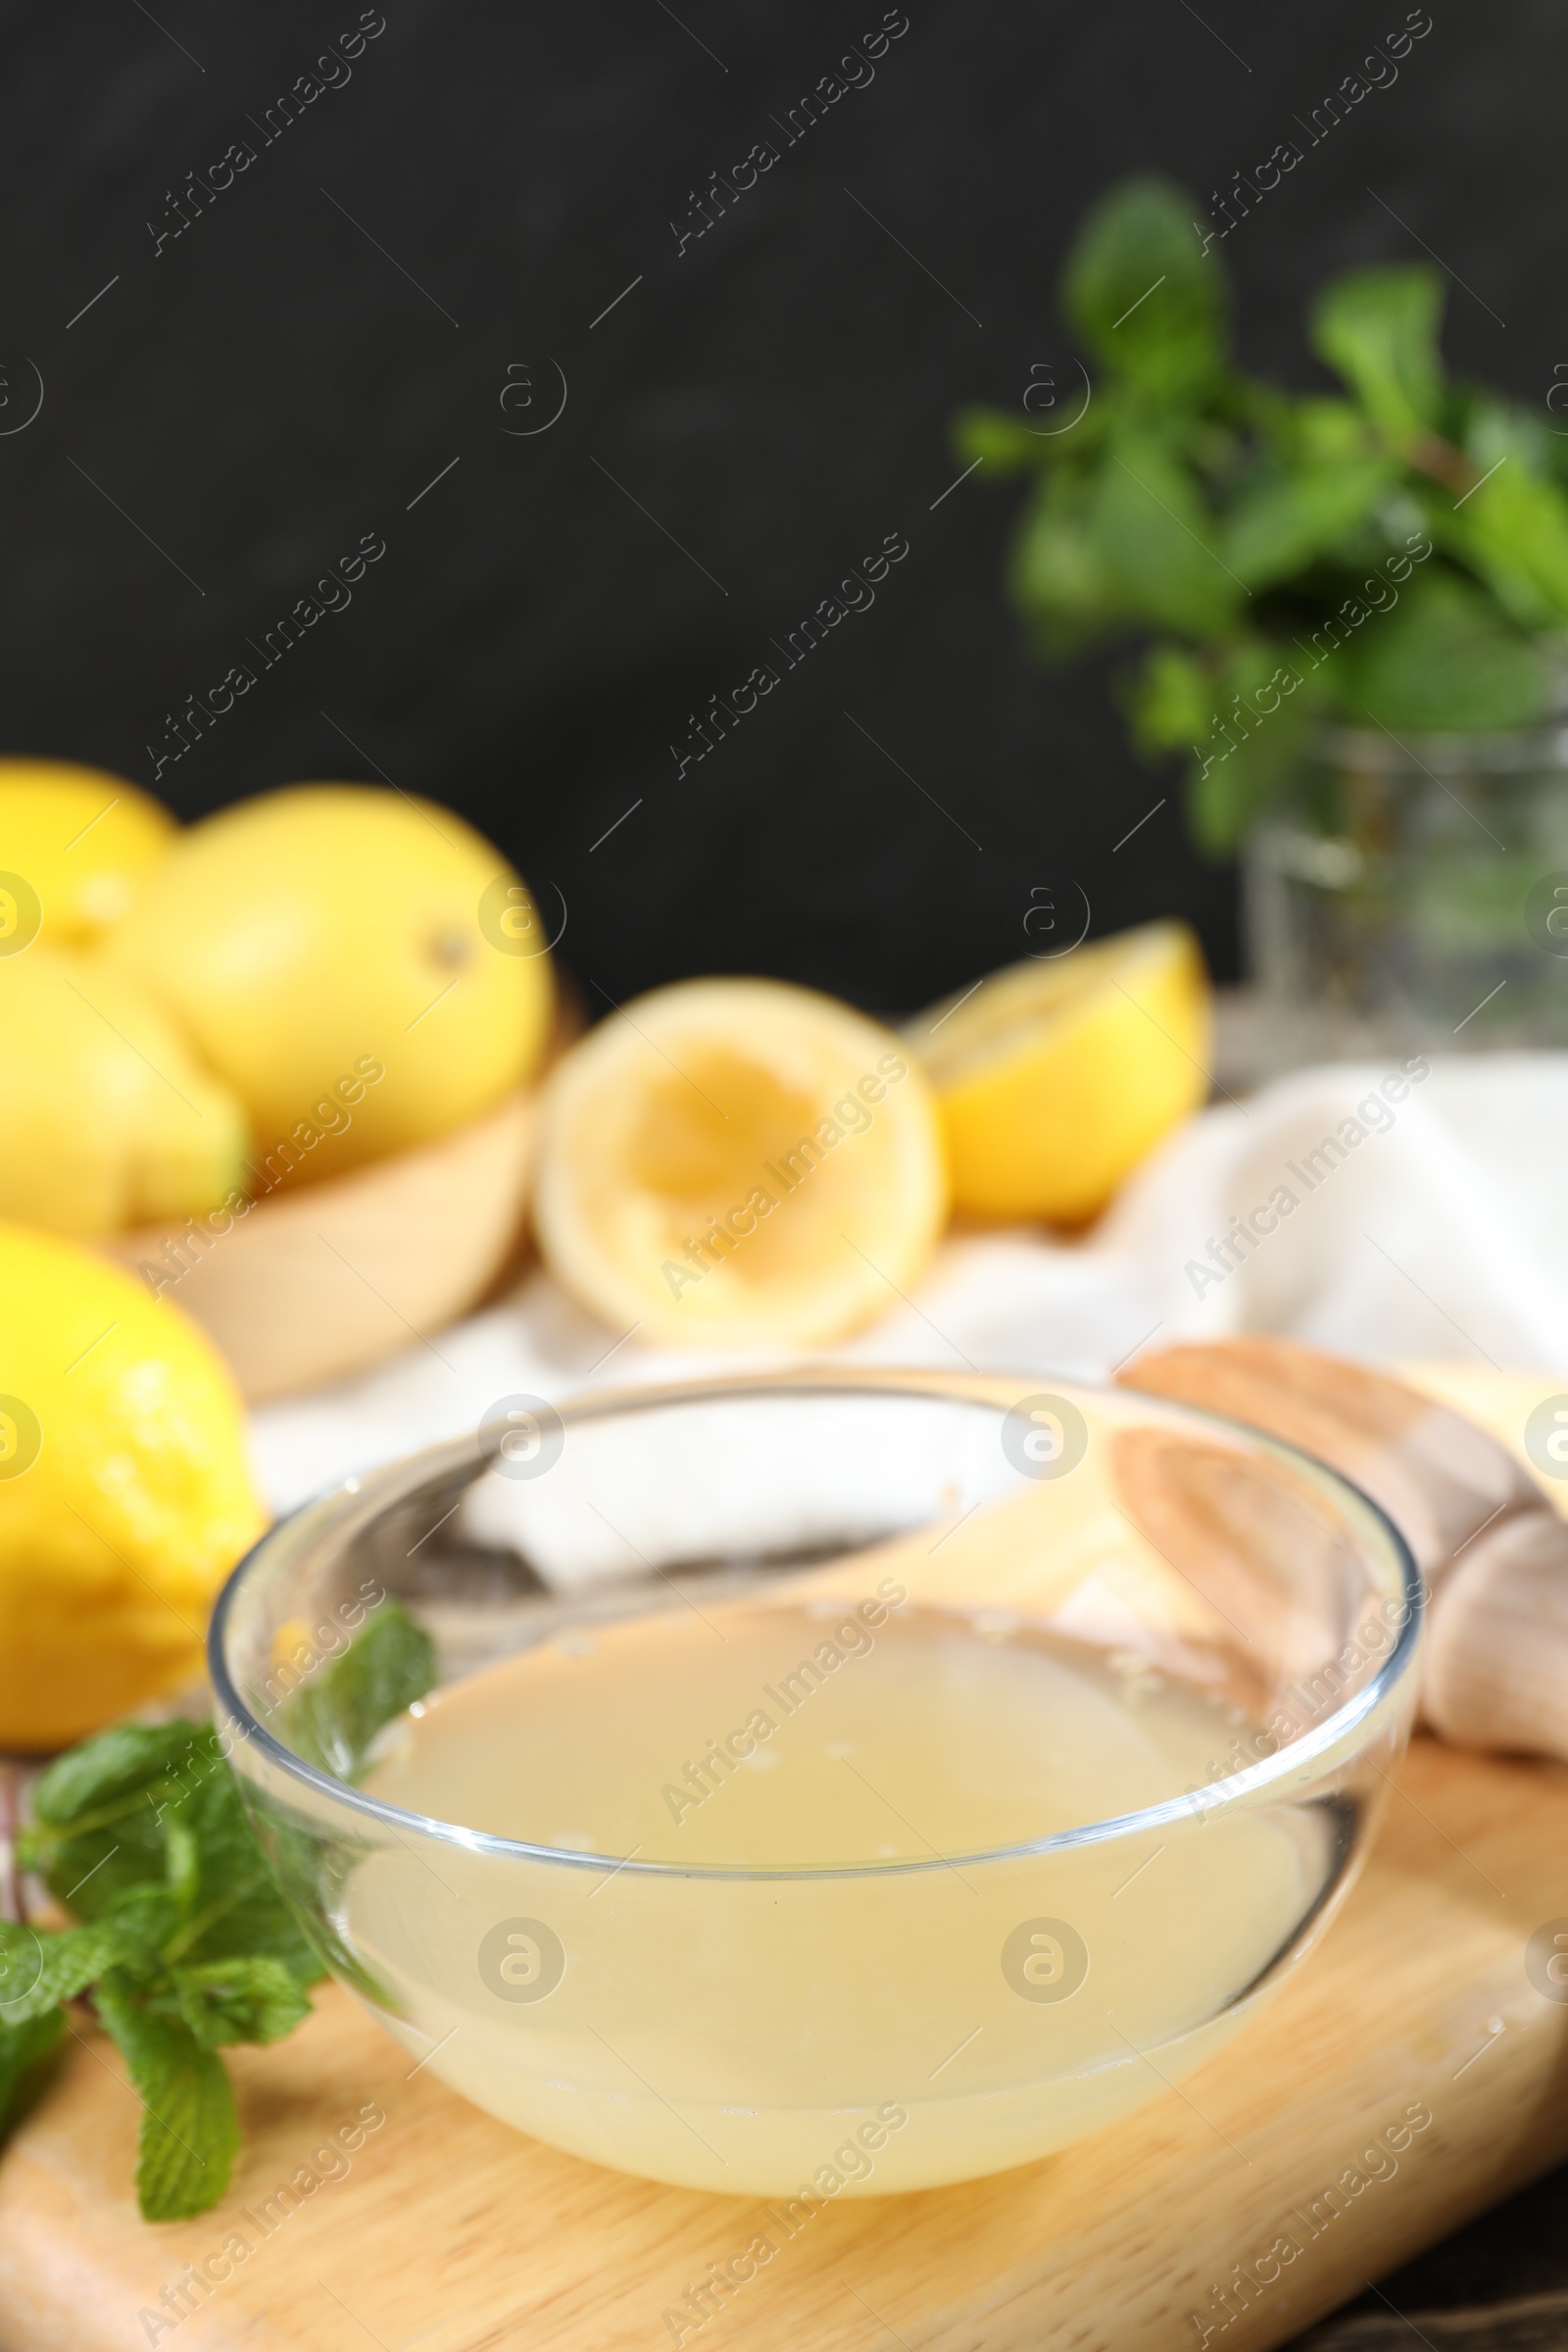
<point>1266,699</point>
<point>189,2127</point>
<point>1061,424</point>
<point>1226,797</point>
<point>1142,294</point>
<point>1000,443</point>
<point>1377,328</point>
<point>1155,538</point>
<point>1170,701</point>
<point>1318,431</point>
<point>150,1832</point>
<point>332,1719</point>
<point>107,1768</point>
<point>239,2000</point>
<point>39,1970</point>
<point>1058,573</point>
<point>23,2045</point>
<point>227,1905</point>
<point>233,1910</point>
<point>97,1831</point>
<point>1283,524</point>
<point>1512,530</point>
<point>1443,660</point>
<point>147,1914</point>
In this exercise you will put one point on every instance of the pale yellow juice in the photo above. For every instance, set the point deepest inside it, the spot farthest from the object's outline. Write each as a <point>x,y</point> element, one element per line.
<point>842,1964</point>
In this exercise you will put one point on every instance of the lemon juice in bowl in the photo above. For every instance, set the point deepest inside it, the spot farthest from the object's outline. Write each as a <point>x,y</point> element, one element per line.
<point>831,1789</point>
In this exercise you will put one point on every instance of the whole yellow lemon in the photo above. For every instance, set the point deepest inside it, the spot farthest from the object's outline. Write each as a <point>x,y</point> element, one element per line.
<point>355,964</point>
<point>75,847</point>
<point>107,1121</point>
<point>124,1495</point>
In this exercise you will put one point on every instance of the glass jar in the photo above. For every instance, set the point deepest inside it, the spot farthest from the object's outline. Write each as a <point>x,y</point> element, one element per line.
<point>1404,899</point>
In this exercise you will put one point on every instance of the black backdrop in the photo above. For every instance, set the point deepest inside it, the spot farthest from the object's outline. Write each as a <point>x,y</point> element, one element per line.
<point>333,330</point>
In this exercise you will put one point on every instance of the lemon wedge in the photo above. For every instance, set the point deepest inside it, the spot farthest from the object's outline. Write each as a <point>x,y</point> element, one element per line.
<point>1054,1078</point>
<point>738,1162</point>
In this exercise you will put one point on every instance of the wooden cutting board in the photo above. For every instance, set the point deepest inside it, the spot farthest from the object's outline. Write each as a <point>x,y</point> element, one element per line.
<point>450,2232</point>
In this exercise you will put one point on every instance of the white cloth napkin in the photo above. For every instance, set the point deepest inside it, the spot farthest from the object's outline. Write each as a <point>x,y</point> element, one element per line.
<point>1427,1218</point>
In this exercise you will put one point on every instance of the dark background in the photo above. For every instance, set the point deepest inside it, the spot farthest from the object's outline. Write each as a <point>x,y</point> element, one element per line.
<point>270,385</point>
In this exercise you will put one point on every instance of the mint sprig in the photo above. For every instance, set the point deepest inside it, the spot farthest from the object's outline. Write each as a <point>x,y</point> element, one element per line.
<point>332,1719</point>
<point>183,1944</point>
<point>1392,549</point>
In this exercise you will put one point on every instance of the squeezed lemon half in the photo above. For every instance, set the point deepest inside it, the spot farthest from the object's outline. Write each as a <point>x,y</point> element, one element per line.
<point>739,1161</point>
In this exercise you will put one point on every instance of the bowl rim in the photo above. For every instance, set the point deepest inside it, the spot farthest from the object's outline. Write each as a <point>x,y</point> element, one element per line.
<point>362,1496</point>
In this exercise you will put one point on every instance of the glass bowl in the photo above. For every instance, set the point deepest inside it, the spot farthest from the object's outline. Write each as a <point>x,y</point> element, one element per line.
<point>843,1782</point>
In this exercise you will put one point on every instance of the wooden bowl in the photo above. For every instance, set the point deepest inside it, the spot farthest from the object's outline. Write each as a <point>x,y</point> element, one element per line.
<point>325,1278</point>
